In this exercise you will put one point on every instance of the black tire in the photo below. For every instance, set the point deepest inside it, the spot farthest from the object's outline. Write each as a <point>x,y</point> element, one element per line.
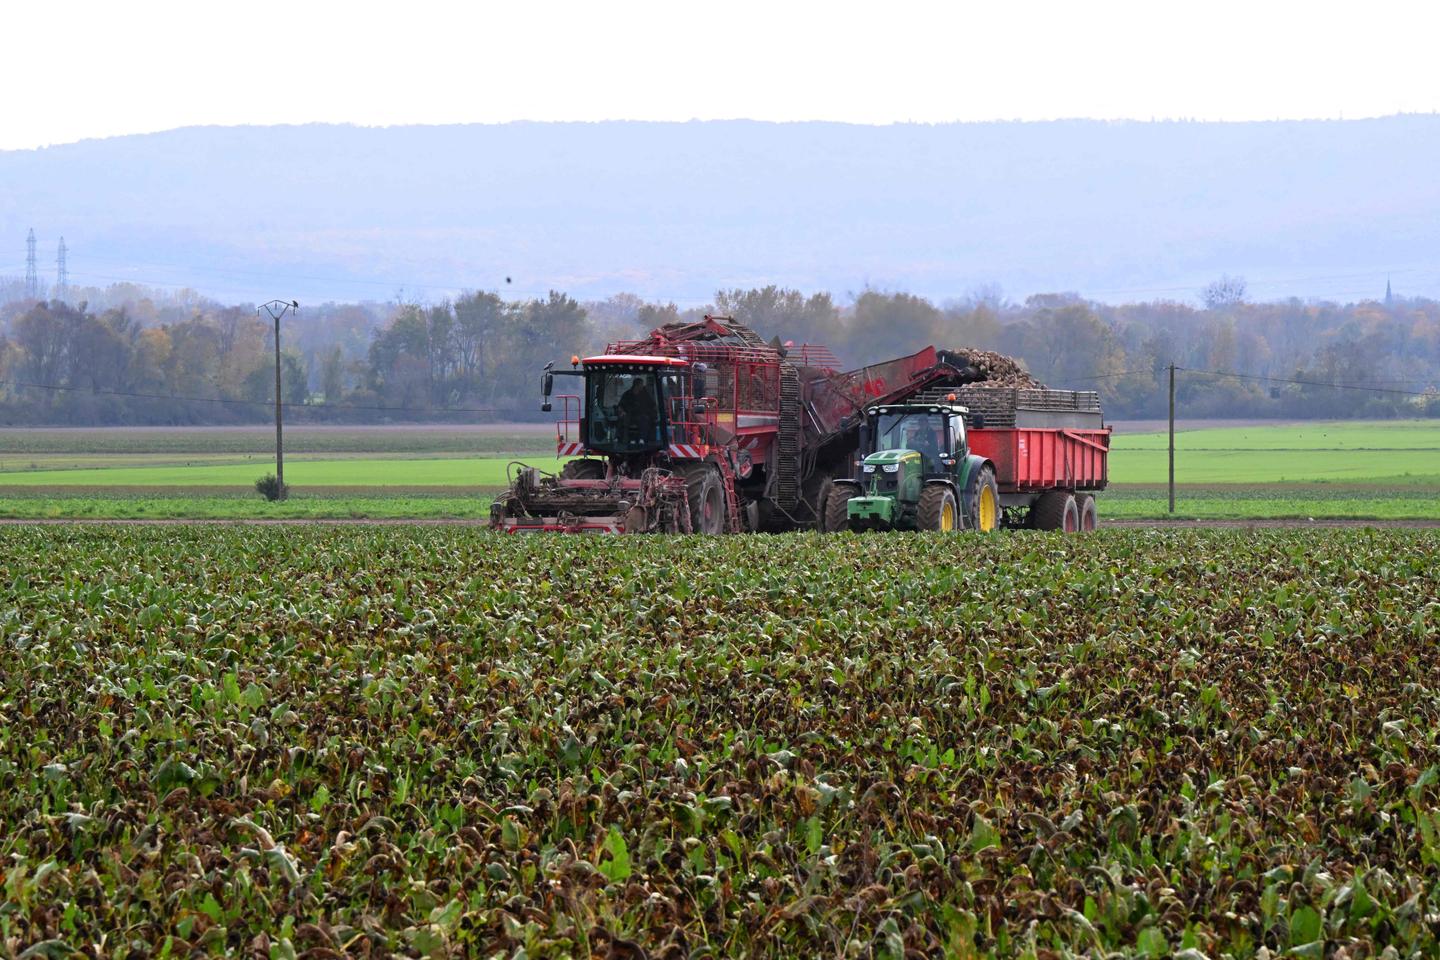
<point>1056,510</point>
<point>584,469</point>
<point>981,486</point>
<point>935,500</point>
<point>837,508</point>
<point>707,499</point>
<point>822,499</point>
<point>1089,514</point>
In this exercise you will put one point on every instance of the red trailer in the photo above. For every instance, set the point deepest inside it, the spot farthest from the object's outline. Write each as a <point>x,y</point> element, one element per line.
<point>1053,474</point>
<point>1050,449</point>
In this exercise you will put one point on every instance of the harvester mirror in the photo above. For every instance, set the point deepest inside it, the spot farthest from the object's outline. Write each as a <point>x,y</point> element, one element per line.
<point>547,384</point>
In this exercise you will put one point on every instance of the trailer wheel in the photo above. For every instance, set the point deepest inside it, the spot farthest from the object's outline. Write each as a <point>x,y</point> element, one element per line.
<point>1056,510</point>
<point>937,509</point>
<point>1089,514</point>
<point>837,508</point>
<point>707,499</point>
<point>585,469</point>
<point>982,502</point>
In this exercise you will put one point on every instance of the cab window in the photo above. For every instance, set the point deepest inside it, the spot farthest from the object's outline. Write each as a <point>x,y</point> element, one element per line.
<point>623,409</point>
<point>957,434</point>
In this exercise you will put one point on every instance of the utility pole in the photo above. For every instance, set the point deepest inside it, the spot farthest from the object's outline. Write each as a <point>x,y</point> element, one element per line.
<point>277,309</point>
<point>1172,438</point>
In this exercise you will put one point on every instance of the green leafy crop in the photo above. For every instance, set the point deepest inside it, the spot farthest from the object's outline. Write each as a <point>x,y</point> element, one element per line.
<point>273,742</point>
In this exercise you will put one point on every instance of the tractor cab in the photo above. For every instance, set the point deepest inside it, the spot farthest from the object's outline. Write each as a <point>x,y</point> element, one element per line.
<point>628,404</point>
<point>936,433</point>
<point>916,472</point>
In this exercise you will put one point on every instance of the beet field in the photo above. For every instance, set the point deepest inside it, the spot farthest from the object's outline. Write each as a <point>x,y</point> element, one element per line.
<point>350,741</point>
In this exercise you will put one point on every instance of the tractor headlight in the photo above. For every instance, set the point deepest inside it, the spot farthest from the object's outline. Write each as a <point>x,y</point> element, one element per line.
<point>890,467</point>
<point>868,468</point>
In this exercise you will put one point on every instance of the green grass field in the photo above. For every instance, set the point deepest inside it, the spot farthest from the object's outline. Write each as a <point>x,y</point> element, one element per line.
<point>1384,470</point>
<point>1389,453</point>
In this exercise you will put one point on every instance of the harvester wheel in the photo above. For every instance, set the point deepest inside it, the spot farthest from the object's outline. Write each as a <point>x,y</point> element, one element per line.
<point>822,499</point>
<point>982,501</point>
<point>584,469</point>
<point>937,509</point>
<point>707,498</point>
<point>1089,515</point>
<point>1056,510</point>
<point>837,508</point>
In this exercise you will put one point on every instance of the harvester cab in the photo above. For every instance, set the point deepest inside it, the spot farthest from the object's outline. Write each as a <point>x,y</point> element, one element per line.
<point>627,405</point>
<point>916,472</point>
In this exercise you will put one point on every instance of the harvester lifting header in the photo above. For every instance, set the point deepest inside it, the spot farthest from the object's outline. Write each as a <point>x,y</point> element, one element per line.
<point>708,428</point>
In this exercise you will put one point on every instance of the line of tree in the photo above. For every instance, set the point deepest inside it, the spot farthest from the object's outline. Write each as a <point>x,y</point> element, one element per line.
<point>153,360</point>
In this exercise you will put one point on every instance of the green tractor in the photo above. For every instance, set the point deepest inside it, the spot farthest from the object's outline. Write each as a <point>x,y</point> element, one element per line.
<point>916,473</point>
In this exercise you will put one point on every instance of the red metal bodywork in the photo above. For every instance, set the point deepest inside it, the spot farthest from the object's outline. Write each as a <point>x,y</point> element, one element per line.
<point>1033,460</point>
<point>776,422</point>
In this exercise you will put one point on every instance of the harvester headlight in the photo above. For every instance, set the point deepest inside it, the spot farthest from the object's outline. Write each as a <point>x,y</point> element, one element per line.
<point>890,467</point>
<point>868,468</point>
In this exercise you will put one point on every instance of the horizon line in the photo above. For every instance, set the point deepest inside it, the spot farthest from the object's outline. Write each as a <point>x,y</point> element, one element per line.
<point>1014,121</point>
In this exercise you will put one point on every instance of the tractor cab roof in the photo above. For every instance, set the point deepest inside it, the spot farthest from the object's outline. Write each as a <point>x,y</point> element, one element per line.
<point>637,359</point>
<point>917,408</point>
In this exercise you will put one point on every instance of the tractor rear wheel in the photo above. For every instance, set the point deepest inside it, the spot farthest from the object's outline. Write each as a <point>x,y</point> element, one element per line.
<point>937,509</point>
<point>837,508</point>
<point>707,498</point>
<point>584,469</point>
<point>982,501</point>
<point>1056,510</point>
<point>1089,514</point>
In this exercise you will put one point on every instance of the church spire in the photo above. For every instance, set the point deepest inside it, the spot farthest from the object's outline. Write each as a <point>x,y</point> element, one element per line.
<point>1389,297</point>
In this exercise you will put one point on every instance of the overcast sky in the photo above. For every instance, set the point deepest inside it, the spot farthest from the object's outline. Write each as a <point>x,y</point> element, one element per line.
<point>97,68</point>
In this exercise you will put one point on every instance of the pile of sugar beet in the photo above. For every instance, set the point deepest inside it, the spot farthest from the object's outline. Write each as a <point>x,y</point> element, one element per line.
<point>985,368</point>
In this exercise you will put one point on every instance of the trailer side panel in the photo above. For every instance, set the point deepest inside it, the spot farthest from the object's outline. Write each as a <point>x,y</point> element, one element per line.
<point>1032,460</point>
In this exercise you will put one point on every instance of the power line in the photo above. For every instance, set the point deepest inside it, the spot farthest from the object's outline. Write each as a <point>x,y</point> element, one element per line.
<point>1309,383</point>
<point>1320,278</point>
<point>688,299</point>
<point>1350,384</point>
<point>1111,376</point>
<point>282,277</point>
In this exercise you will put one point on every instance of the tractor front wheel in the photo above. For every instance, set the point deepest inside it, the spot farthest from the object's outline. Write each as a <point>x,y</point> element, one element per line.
<point>937,509</point>
<point>837,508</point>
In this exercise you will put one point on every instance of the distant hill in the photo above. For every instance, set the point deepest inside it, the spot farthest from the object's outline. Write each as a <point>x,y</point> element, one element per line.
<point>1117,211</point>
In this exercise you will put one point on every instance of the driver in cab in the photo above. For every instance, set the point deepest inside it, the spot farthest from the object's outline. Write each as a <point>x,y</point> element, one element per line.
<point>638,405</point>
<point>922,438</point>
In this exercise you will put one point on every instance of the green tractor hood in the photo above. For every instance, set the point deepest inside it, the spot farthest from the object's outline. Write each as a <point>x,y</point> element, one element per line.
<point>891,481</point>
